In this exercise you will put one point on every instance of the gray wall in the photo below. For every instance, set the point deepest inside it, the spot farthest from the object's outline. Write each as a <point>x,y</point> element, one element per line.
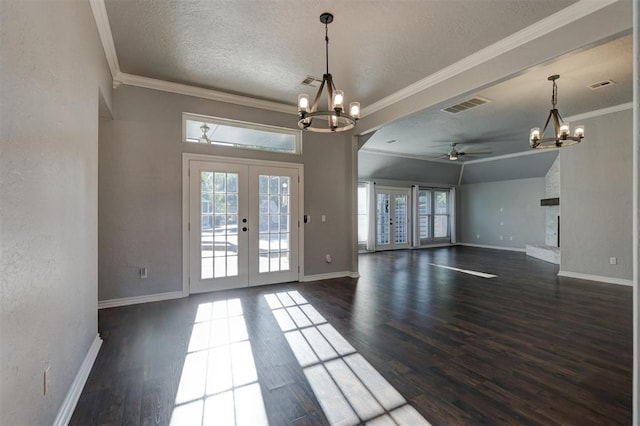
<point>52,68</point>
<point>596,180</point>
<point>140,216</point>
<point>529,165</point>
<point>510,208</point>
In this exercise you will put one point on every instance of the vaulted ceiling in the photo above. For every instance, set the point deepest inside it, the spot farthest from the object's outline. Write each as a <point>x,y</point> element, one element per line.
<point>404,60</point>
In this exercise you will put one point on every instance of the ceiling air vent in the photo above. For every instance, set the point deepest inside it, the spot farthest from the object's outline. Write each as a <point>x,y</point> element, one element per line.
<point>466,105</point>
<point>312,81</point>
<point>601,84</point>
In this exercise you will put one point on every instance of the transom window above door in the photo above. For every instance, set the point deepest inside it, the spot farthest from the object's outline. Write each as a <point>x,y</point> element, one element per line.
<point>207,130</point>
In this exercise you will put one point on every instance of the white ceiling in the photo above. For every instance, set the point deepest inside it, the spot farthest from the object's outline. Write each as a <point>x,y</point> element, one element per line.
<point>378,50</point>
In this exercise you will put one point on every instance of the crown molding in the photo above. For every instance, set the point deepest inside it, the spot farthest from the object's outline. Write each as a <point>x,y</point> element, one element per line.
<point>199,92</point>
<point>513,155</point>
<point>543,27</point>
<point>561,18</point>
<point>599,112</point>
<point>104,30</point>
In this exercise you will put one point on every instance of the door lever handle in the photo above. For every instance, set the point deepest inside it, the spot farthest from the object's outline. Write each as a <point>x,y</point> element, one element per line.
<point>245,229</point>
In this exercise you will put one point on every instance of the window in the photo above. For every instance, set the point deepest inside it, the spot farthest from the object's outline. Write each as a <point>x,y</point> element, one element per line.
<point>363,216</point>
<point>433,215</point>
<point>441,214</point>
<point>237,134</point>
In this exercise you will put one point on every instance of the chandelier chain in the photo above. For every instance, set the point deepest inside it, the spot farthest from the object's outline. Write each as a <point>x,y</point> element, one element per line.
<point>326,46</point>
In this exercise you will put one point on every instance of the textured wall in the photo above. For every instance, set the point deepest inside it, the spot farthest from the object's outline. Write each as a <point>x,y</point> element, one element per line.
<point>509,208</point>
<point>140,218</point>
<point>596,204</point>
<point>52,65</point>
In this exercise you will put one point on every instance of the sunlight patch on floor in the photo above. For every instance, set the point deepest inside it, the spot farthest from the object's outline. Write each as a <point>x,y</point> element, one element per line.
<point>219,382</point>
<point>348,388</point>
<point>466,271</point>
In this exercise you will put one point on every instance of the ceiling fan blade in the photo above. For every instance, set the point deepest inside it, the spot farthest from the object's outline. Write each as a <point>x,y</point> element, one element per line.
<point>474,153</point>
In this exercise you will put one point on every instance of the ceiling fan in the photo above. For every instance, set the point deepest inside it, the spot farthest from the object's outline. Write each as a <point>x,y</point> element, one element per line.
<point>453,153</point>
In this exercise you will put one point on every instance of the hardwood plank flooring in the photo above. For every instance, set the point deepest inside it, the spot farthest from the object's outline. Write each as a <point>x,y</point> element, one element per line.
<point>526,347</point>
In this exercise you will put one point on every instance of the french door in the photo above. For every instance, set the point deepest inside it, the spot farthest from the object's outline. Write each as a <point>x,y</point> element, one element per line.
<point>243,225</point>
<point>392,218</point>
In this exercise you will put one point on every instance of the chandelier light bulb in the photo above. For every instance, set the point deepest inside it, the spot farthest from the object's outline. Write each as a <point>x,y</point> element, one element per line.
<point>535,134</point>
<point>338,99</point>
<point>303,103</point>
<point>354,109</point>
<point>564,130</point>
<point>579,131</point>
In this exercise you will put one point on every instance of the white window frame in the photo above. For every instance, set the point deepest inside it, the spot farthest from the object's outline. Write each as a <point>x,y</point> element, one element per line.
<point>422,242</point>
<point>242,124</point>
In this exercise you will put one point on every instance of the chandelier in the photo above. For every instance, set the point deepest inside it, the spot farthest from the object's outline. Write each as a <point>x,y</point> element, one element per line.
<point>562,131</point>
<point>334,119</point>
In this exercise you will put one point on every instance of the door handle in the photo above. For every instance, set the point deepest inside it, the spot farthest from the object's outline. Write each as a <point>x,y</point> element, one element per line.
<point>245,229</point>
<point>244,220</point>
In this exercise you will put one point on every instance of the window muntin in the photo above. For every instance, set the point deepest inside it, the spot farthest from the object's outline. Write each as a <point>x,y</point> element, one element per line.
<point>238,134</point>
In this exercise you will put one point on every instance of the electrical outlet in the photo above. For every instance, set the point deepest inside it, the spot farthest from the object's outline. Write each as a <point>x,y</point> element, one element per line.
<point>144,272</point>
<point>613,261</point>
<point>45,387</point>
<point>477,236</point>
<point>328,259</point>
<point>501,237</point>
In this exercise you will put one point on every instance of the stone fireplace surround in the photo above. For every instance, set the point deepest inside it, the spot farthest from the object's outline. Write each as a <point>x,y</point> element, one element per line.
<point>550,251</point>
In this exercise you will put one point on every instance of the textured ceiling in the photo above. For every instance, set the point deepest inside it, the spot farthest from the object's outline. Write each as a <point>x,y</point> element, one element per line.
<point>516,105</point>
<point>378,49</point>
<point>264,49</point>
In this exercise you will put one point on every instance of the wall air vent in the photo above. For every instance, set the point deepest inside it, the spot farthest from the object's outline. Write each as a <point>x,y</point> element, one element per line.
<point>311,81</point>
<point>476,101</point>
<point>601,84</point>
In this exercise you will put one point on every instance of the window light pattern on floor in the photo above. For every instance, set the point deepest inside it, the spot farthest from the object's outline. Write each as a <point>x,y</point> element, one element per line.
<point>349,389</point>
<point>219,383</point>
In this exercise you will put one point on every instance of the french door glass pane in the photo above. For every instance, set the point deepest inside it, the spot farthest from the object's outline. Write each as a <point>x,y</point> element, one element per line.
<point>274,223</point>
<point>401,219</point>
<point>383,219</point>
<point>219,224</point>
<point>363,215</point>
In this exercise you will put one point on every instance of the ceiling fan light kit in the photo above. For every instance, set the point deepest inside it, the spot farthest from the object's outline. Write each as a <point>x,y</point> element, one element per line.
<point>334,119</point>
<point>562,130</point>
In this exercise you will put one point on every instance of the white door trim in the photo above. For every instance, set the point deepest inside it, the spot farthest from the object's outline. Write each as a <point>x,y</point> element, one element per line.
<point>186,158</point>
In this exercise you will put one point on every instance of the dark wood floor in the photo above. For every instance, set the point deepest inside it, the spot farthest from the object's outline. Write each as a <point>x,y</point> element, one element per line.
<point>526,347</point>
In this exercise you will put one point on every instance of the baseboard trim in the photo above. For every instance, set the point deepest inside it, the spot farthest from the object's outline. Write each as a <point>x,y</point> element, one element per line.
<point>329,276</point>
<point>589,277</point>
<point>69,404</point>
<point>112,303</point>
<point>492,247</point>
